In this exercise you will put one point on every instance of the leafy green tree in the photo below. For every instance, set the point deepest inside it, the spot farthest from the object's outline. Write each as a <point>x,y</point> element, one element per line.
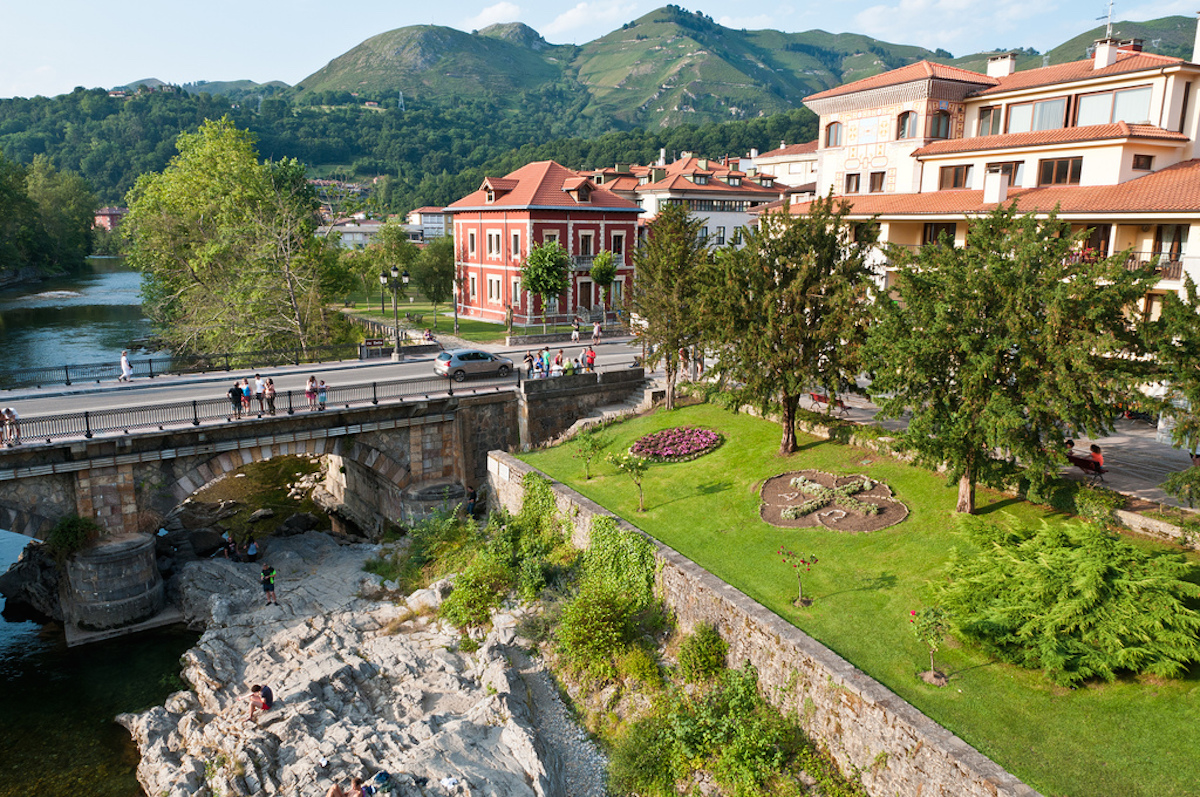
<point>227,248</point>
<point>635,468</point>
<point>1175,338</point>
<point>1074,600</point>
<point>433,272</point>
<point>22,237</point>
<point>545,273</point>
<point>588,445</point>
<point>788,311</point>
<point>930,627</point>
<point>667,272</point>
<point>1002,343</point>
<point>67,208</point>
<point>604,271</point>
<point>1184,485</point>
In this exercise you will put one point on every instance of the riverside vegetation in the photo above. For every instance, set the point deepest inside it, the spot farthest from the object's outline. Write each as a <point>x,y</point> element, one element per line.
<point>663,703</point>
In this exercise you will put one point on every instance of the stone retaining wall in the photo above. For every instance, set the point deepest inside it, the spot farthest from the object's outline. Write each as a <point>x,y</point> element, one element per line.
<point>898,750</point>
<point>550,406</point>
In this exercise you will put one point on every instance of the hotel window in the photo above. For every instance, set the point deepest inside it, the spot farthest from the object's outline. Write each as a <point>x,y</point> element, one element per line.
<point>990,119</point>
<point>833,134</point>
<point>1060,171</point>
<point>1044,115</point>
<point>1143,163</point>
<point>549,237</point>
<point>700,179</point>
<point>585,244</point>
<point>906,125</point>
<point>735,181</point>
<point>1128,105</point>
<point>516,244</point>
<point>493,245</point>
<point>494,294</point>
<point>618,245</point>
<point>852,183</point>
<point>516,291</point>
<point>936,230</point>
<point>939,124</point>
<point>1010,169</point>
<point>473,294</point>
<point>877,182</point>
<point>952,177</point>
<point>719,238</point>
<point>471,243</point>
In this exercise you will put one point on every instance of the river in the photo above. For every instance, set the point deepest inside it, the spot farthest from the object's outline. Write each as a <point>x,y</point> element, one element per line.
<point>57,705</point>
<point>86,317</point>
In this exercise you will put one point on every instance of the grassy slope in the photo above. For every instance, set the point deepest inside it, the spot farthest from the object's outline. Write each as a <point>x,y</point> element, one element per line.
<point>1108,739</point>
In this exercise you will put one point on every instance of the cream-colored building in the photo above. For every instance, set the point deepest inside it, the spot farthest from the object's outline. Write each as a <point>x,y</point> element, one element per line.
<point>1109,141</point>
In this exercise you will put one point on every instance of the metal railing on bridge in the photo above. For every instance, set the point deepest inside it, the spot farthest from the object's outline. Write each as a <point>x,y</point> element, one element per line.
<point>184,414</point>
<point>175,364</point>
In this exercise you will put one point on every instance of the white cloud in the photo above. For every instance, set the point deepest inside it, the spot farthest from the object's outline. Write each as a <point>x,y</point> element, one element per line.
<point>961,26</point>
<point>1185,8</point>
<point>500,12</point>
<point>597,18</point>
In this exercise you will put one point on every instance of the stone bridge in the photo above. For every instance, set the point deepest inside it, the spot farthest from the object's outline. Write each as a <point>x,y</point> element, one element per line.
<point>128,483</point>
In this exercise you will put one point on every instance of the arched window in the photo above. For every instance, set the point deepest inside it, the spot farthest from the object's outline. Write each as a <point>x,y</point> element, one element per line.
<point>939,124</point>
<point>906,125</point>
<point>833,134</point>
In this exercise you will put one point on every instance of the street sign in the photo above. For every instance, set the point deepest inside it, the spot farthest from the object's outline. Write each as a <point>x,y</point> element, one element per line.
<point>369,342</point>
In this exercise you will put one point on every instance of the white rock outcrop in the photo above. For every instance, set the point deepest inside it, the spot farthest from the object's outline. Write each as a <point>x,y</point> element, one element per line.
<point>360,686</point>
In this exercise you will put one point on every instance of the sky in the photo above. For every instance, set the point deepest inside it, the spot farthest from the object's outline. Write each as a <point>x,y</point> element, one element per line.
<point>49,50</point>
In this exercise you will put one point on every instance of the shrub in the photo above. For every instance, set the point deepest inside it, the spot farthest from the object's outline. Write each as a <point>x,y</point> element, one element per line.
<point>638,664</point>
<point>621,558</point>
<point>1184,485</point>
<point>1098,505</point>
<point>596,626</point>
<point>477,590</point>
<point>646,759</point>
<point>71,534</point>
<point>702,654</point>
<point>1073,600</point>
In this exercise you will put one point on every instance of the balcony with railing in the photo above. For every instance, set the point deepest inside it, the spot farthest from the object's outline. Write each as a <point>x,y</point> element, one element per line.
<point>584,262</point>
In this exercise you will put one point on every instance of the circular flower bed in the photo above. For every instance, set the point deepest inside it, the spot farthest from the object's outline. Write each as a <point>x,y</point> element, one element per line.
<point>679,444</point>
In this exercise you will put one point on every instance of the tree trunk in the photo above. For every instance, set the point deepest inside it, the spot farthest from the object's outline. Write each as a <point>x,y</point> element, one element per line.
<point>670,369</point>
<point>966,493</point>
<point>787,444</point>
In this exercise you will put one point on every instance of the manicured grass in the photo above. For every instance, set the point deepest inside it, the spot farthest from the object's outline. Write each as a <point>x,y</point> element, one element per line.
<point>468,328</point>
<point>1126,738</point>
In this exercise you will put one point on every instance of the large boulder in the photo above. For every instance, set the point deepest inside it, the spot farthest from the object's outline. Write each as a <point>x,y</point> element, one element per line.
<point>32,582</point>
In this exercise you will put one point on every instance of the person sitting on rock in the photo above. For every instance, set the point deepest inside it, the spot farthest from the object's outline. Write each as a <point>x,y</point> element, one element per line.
<point>261,699</point>
<point>356,789</point>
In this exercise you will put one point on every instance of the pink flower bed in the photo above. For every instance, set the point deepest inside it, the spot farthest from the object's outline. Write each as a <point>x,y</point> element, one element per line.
<point>676,445</point>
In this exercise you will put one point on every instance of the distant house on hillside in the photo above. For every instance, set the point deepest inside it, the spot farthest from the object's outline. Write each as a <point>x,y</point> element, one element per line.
<point>495,226</point>
<point>431,220</point>
<point>109,218</point>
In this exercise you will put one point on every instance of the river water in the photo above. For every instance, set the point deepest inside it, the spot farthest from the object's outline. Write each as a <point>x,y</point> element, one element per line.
<point>86,317</point>
<point>57,735</point>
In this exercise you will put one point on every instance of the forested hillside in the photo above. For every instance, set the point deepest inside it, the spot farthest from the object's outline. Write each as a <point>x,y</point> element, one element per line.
<point>430,153</point>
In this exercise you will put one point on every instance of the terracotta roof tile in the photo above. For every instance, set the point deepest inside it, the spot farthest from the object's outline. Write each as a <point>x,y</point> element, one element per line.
<point>1078,70</point>
<point>428,209</point>
<point>921,70</point>
<point>1061,135</point>
<point>1174,189</point>
<point>792,149</point>
<point>540,183</point>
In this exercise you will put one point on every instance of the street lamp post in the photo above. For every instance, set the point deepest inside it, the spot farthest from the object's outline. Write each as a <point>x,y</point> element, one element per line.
<point>396,282</point>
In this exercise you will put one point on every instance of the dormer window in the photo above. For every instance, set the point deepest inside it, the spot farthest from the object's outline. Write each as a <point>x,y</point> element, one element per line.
<point>584,194</point>
<point>700,179</point>
<point>735,181</point>
<point>491,196</point>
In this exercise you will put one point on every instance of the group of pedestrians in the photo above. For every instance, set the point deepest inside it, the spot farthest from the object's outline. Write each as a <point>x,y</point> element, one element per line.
<point>575,331</point>
<point>244,392</point>
<point>543,365</point>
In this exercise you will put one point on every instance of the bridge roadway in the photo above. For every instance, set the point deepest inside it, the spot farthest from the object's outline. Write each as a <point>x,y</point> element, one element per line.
<point>51,400</point>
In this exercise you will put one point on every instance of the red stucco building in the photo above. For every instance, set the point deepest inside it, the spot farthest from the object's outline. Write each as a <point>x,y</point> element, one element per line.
<point>540,202</point>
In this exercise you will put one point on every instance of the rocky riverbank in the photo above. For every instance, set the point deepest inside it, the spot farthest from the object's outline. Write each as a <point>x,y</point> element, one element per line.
<point>363,684</point>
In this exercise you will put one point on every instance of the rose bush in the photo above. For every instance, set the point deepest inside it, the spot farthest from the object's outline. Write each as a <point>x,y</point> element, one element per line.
<point>679,444</point>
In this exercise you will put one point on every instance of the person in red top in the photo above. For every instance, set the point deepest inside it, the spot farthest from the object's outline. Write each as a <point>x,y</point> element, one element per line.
<point>590,358</point>
<point>1097,455</point>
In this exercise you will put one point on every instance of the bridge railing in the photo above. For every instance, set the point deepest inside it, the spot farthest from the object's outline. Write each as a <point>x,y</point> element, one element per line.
<point>175,364</point>
<point>183,414</point>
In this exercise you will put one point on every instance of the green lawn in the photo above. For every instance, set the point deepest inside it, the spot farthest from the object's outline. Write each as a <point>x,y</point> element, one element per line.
<point>468,328</point>
<point>1126,738</point>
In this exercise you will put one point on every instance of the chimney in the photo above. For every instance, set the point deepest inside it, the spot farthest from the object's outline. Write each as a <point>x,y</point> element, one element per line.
<point>1106,53</point>
<point>1196,46</point>
<point>662,156</point>
<point>995,186</point>
<point>1002,65</point>
<point>1130,46</point>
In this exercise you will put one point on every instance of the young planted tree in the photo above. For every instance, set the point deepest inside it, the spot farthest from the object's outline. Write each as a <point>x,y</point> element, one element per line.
<point>588,445</point>
<point>788,312</point>
<point>930,626</point>
<point>433,272</point>
<point>546,273</point>
<point>604,271</point>
<point>635,468</point>
<point>801,565</point>
<point>667,273</point>
<point>999,344</point>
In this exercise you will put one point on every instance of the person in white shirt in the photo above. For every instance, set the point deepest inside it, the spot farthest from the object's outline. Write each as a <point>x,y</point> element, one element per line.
<point>126,368</point>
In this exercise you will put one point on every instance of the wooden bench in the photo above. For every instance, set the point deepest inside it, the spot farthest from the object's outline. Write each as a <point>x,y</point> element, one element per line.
<point>818,399</point>
<point>1089,466</point>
